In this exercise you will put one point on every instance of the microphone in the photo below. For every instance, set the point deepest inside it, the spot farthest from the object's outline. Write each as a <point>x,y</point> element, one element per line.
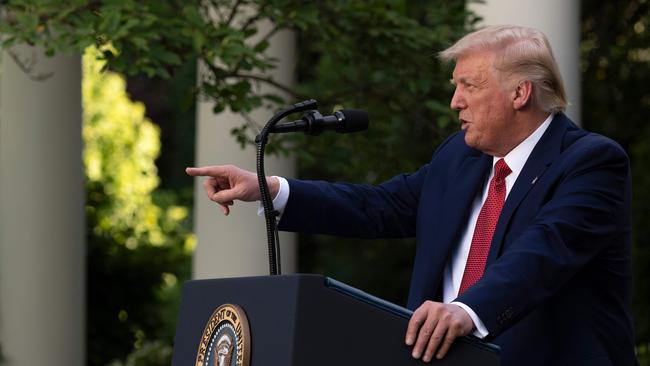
<point>313,123</point>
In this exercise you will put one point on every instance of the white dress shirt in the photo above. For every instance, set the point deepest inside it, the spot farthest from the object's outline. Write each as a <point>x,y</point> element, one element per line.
<point>455,268</point>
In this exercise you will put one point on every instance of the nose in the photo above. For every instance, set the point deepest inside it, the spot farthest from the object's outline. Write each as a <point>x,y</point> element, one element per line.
<point>457,101</point>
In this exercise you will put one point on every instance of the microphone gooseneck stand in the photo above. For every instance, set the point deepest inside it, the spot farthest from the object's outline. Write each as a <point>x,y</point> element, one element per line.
<point>270,214</point>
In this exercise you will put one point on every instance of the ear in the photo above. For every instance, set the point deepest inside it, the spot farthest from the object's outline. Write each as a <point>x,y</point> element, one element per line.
<point>522,94</point>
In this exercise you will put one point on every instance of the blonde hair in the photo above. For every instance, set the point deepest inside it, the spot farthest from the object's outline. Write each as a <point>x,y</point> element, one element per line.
<point>520,52</point>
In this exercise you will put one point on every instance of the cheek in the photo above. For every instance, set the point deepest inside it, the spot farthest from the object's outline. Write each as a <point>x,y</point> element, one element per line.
<point>480,117</point>
<point>489,116</point>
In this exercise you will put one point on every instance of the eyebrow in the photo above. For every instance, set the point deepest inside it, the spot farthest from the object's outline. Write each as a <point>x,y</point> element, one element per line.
<point>461,80</point>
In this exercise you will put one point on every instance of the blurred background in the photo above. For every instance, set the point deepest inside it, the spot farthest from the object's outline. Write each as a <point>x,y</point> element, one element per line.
<point>104,103</point>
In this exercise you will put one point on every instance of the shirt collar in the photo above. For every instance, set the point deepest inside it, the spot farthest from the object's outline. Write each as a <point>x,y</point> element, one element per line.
<point>517,157</point>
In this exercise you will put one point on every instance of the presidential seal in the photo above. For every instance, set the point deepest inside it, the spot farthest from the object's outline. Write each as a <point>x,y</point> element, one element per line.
<point>226,339</point>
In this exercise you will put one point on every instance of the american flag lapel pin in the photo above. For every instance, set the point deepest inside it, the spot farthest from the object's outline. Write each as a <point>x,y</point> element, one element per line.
<point>534,180</point>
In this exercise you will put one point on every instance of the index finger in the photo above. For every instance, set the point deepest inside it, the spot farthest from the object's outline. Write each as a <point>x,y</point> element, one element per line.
<point>212,171</point>
<point>417,319</point>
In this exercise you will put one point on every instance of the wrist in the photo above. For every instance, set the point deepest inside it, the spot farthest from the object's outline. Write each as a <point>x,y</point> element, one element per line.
<point>274,186</point>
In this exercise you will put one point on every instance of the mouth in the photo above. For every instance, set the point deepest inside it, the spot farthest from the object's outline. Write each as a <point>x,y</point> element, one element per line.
<point>464,124</point>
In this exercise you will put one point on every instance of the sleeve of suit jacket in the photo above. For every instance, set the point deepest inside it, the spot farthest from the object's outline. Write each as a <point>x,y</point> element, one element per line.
<point>388,210</point>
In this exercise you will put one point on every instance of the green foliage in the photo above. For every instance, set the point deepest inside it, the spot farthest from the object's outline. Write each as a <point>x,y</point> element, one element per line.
<point>381,57</point>
<point>616,72</point>
<point>156,37</point>
<point>139,248</point>
<point>120,145</point>
<point>151,354</point>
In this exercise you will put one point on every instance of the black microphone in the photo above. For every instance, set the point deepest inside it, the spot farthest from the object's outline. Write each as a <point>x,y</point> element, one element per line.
<point>313,123</point>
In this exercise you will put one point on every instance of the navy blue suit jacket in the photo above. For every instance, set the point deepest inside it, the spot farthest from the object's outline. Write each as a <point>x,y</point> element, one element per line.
<point>556,289</point>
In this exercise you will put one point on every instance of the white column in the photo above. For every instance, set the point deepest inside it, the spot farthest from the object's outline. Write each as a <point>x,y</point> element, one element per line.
<point>559,20</point>
<point>235,245</point>
<point>42,271</point>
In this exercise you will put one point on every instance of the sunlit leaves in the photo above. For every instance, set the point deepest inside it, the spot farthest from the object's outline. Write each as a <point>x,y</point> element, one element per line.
<point>138,240</point>
<point>121,146</point>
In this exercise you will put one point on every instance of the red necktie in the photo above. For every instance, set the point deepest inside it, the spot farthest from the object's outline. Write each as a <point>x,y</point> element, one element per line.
<point>485,225</point>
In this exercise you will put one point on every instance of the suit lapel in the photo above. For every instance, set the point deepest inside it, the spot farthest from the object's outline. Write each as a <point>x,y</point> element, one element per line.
<point>456,205</point>
<point>546,150</point>
<point>438,238</point>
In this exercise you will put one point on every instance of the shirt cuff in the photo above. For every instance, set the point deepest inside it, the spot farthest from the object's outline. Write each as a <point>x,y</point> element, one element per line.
<point>479,328</point>
<point>280,200</point>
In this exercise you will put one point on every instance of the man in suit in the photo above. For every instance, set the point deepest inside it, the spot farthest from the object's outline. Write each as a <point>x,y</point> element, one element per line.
<point>522,218</point>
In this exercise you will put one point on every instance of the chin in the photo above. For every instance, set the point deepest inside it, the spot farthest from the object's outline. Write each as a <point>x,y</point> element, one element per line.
<point>470,141</point>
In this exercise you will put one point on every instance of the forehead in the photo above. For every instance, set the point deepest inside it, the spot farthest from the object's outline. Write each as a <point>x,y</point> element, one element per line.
<point>475,65</point>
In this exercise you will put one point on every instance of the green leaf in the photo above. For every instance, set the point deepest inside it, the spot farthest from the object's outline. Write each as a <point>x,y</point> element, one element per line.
<point>140,42</point>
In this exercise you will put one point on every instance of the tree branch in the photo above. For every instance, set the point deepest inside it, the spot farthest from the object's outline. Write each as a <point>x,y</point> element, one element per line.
<point>265,38</point>
<point>213,7</point>
<point>27,66</point>
<point>252,124</point>
<point>233,12</point>
<point>255,18</point>
<point>270,81</point>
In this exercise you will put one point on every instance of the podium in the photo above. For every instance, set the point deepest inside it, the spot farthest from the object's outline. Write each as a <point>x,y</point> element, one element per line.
<point>304,320</point>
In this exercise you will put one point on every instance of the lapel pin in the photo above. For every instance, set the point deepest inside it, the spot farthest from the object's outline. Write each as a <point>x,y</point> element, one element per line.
<point>534,180</point>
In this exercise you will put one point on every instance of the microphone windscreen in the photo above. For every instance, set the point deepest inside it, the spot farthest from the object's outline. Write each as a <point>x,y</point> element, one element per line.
<point>355,120</point>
